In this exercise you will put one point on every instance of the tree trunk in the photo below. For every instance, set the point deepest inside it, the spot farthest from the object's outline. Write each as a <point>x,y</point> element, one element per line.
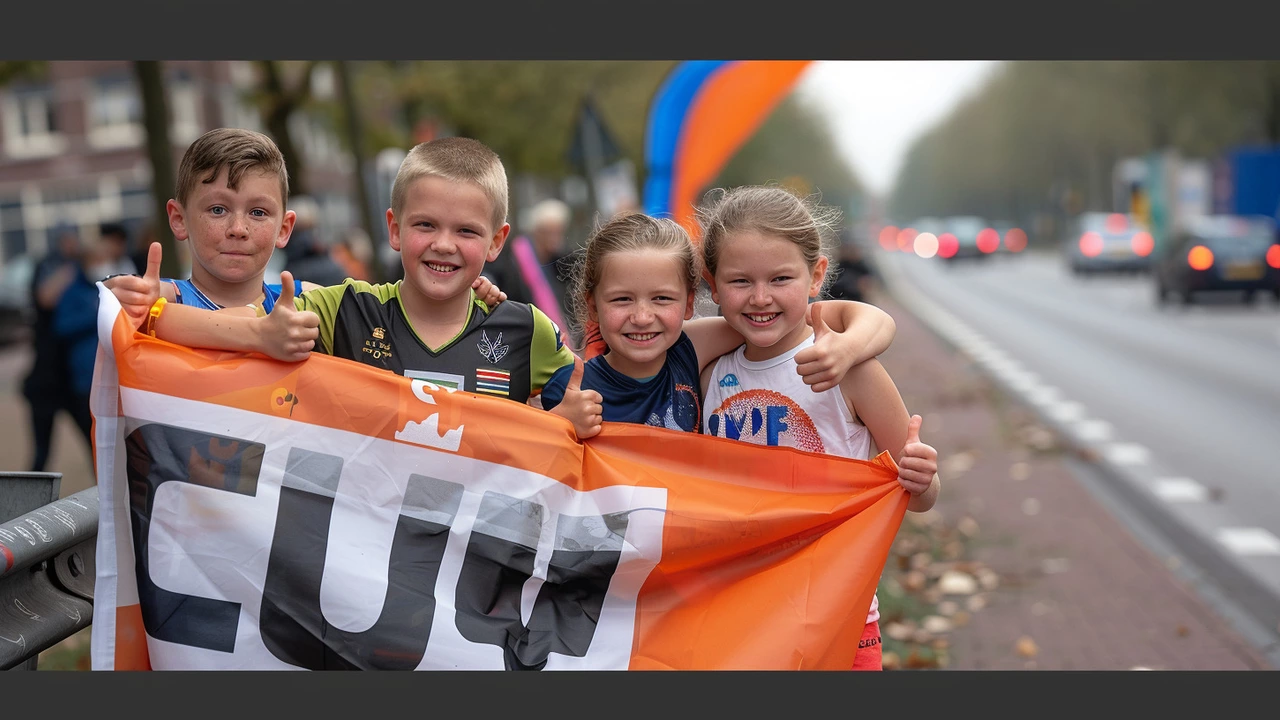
<point>155,117</point>
<point>280,106</point>
<point>355,138</point>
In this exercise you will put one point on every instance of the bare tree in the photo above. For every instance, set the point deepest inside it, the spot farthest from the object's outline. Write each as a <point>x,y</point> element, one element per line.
<point>355,138</point>
<point>155,117</point>
<point>279,97</point>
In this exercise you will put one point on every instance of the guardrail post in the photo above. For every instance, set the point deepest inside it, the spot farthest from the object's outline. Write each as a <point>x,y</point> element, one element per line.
<point>20,493</point>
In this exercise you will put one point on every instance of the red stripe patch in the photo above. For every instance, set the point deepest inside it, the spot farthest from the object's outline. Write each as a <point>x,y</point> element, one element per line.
<point>8,557</point>
<point>493,374</point>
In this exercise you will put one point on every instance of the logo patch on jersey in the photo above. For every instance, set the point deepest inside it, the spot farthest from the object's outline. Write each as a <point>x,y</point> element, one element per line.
<point>559,339</point>
<point>729,380</point>
<point>379,333</point>
<point>493,381</point>
<point>492,351</point>
<point>765,417</point>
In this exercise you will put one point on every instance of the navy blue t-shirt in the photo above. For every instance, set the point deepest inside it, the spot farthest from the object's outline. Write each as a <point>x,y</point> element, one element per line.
<point>671,399</point>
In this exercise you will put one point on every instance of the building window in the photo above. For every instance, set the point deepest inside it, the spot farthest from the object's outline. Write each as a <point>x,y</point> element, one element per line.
<point>30,124</point>
<point>115,114</point>
<point>184,108</point>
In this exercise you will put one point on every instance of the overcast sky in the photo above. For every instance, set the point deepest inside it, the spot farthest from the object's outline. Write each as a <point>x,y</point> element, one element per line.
<point>877,107</point>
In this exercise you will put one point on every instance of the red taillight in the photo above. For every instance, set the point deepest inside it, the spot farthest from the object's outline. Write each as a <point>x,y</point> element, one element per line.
<point>1273,256</point>
<point>1091,244</point>
<point>1015,240</point>
<point>947,245</point>
<point>1143,244</point>
<point>1117,223</point>
<point>1200,258</point>
<point>907,238</point>
<point>988,240</point>
<point>889,237</point>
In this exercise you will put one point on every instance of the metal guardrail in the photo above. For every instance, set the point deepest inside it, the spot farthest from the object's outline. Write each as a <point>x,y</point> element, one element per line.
<point>47,566</point>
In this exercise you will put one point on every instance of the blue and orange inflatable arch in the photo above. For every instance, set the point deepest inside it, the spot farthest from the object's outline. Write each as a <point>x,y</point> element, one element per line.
<point>701,114</point>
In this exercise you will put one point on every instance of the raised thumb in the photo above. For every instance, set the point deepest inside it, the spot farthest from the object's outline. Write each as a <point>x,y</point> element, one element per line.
<point>286,291</point>
<point>575,378</point>
<point>153,262</point>
<point>913,429</point>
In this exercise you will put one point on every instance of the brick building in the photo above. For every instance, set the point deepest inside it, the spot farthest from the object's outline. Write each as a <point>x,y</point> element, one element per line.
<point>73,146</point>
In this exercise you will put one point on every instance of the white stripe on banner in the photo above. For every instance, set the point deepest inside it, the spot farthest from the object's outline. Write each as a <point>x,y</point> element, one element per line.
<point>216,544</point>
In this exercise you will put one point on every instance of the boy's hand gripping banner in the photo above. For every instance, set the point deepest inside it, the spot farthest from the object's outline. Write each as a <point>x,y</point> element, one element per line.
<point>322,515</point>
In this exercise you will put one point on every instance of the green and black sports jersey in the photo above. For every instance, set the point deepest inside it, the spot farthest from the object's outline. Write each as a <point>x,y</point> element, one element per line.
<point>509,352</point>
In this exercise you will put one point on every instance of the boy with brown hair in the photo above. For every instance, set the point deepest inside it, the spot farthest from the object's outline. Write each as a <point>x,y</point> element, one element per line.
<point>229,206</point>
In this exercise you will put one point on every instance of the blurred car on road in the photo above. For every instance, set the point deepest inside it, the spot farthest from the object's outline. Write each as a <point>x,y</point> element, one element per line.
<point>1108,242</point>
<point>1220,253</point>
<point>967,237</point>
<point>16,312</point>
<point>1013,239</point>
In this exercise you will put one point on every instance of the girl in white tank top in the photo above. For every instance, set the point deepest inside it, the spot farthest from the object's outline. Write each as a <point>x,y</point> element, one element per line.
<point>762,247</point>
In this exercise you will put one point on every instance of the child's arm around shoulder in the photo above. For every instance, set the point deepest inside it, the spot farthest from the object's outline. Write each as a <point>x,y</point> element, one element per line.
<point>286,333</point>
<point>874,399</point>
<point>857,332</point>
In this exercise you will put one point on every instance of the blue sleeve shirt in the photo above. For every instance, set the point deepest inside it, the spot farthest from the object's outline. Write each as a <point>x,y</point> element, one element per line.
<point>671,399</point>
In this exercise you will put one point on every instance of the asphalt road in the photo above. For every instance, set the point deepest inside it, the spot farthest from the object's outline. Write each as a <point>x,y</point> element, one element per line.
<point>1183,404</point>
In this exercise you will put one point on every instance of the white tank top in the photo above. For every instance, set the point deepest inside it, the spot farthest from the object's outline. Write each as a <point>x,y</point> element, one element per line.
<point>767,403</point>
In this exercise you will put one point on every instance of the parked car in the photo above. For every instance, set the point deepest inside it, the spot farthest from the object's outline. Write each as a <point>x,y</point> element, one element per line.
<point>967,237</point>
<point>16,312</point>
<point>1221,253</point>
<point>1108,242</point>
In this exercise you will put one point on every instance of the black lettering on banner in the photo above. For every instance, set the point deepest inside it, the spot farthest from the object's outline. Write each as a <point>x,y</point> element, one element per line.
<point>499,561</point>
<point>156,454</point>
<point>291,622</point>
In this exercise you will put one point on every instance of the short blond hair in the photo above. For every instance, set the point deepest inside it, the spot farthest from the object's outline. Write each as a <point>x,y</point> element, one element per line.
<point>457,159</point>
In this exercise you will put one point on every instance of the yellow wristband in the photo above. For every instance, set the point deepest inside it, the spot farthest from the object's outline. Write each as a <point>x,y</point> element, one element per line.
<point>153,315</point>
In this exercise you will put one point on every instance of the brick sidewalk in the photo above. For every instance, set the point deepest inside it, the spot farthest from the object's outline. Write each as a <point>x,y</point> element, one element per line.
<point>1076,590</point>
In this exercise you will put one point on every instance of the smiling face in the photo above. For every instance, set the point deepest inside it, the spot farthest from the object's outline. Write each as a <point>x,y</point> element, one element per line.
<point>444,234</point>
<point>763,286</point>
<point>232,232</point>
<point>641,303</point>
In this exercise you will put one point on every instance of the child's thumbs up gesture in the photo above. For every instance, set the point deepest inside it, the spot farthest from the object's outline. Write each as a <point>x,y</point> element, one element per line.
<point>580,407</point>
<point>137,293</point>
<point>287,333</point>
<point>918,469</point>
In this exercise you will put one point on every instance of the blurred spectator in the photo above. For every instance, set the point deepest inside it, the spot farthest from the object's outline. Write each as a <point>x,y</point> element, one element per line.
<point>308,256</point>
<point>354,253</point>
<point>535,268</point>
<point>112,254</point>
<point>854,277</point>
<point>46,386</point>
<point>75,324</point>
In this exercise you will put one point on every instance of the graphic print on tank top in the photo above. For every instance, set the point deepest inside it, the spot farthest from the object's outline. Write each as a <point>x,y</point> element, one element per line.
<point>765,417</point>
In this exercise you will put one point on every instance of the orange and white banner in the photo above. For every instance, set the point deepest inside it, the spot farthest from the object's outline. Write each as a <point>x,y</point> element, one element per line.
<point>259,515</point>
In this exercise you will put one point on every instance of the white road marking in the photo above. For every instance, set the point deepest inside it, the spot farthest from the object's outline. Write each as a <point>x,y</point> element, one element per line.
<point>1093,430</point>
<point>1180,489</point>
<point>1067,411</point>
<point>1249,541</point>
<point>1127,453</point>
<point>1044,395</point>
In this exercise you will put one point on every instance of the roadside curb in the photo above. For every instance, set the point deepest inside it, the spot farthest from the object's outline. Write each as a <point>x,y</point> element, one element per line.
<point>1249,604</point>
